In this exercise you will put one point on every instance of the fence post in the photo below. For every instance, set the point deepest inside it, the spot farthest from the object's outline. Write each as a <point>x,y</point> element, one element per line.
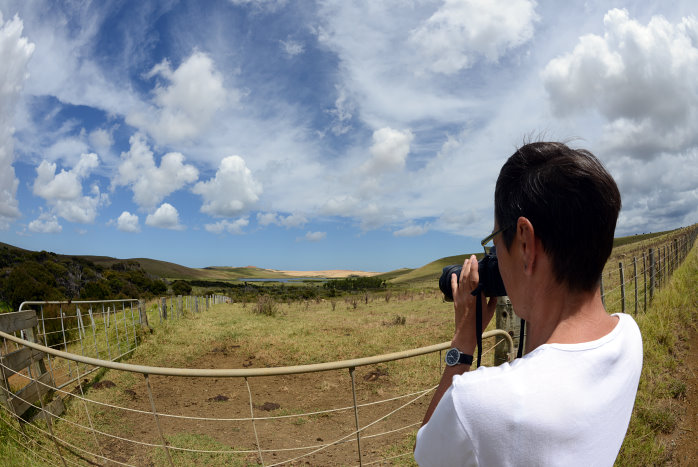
<point>635,276</point>
<point>163,308</point>
<point>142,313</point>
<point>622,286</point>
<point>651,273</point>
<point>507,320</point>
<point>644,281</point>
<point>356,415</point>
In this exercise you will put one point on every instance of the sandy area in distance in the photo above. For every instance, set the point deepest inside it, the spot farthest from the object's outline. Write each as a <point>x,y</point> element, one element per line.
<point>331,274</point>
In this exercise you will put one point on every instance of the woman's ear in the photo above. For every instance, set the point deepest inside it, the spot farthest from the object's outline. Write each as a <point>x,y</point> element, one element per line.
<point>527,244</point>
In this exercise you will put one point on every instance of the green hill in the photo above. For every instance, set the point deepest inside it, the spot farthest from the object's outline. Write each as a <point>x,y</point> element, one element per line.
<point>429,273</point>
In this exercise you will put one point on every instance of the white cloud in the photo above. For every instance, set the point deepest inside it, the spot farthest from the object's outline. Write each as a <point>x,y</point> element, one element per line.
<point>186,106</point>
<point>292,48</point>
<point>101,139</point>
<point>63,191</point>
<point>151,184</point>
<point>232,190</point>
<point>315,236</point>
<point>235,227</point>
<point>461,31</point>
<point>389,150</point>
<point>412,230</point>
<point>15,52</point>
<point>164,217</point>
<point>128,222</point>
<point>341,113</point>
<point>46,223</point>
<point>640,78</point>
<point>292,220</point>
<point>660,193</point>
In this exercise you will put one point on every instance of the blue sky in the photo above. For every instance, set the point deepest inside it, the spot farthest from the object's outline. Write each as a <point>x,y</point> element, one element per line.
<point>330,134</point>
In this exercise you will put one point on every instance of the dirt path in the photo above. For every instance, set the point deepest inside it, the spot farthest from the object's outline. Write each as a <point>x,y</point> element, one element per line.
<point>686,441</point>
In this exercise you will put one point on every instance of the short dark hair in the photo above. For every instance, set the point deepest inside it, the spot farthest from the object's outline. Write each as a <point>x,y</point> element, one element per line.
<point>572,203</point>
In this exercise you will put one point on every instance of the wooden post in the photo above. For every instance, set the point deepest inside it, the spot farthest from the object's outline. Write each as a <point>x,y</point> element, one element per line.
<point>644,281</point>
<point>164,308</point>
<point>651,273</point>
<point>356,416</point>
<point>507,320</point>
<point>196,304</point>
<point>635,276</point>
<point>622,287</point>
<point>142,314</point>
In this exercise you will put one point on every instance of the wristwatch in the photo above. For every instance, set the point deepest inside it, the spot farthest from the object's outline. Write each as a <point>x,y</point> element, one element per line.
<point>455,357</point>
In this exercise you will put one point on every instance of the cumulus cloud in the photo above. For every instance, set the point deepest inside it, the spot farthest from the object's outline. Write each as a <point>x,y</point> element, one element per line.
<point>15,52</point>
<point>128,222</point>
<point>164,217</point>
<point>150,183</point>
<point>412,230</point>
<point>389,150</point>
<point>292,220</point>
<point>101,139</point>
<point>315,236</point>
<point>186,105</point>
<point>461,31</point>
<point>46,223</point>
<point>654,196</point>
<point>63,191</point>
<point>641,78</point>
<point>233,227</point>
<point>231,191</point>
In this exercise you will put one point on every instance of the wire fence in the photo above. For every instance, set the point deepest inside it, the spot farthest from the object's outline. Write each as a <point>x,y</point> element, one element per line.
<point>84,433</point>
<point>175,416</point>
<point>630,279</point>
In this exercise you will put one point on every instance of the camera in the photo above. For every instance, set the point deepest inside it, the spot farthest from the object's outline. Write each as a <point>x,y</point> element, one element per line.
<point>488,270</point>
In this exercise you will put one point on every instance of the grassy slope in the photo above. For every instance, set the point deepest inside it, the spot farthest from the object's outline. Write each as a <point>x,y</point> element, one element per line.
<point>665,328</point>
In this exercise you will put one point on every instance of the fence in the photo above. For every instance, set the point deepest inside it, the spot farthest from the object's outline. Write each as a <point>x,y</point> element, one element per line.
<point>630,278</point>
<point>80,440</point>
<point>145,419</point>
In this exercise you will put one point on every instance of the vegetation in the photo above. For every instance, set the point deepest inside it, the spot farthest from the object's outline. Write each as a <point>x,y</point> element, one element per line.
<point>360,318</point>
<point>27,275</point>
<point>665,329</point>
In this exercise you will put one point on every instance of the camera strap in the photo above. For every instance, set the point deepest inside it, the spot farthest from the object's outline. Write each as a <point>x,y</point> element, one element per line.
<point>478,319</point>
<point>519,352</point>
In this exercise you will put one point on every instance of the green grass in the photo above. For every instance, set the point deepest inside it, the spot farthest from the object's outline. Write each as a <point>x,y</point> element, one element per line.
<point>411,314</point>
<point>665,328</point>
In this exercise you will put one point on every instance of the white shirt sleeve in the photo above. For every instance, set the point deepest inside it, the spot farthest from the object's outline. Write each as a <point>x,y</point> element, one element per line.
<point>443,441</point>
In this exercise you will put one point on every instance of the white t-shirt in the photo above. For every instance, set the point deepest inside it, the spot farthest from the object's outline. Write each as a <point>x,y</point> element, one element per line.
<point>561,404</point>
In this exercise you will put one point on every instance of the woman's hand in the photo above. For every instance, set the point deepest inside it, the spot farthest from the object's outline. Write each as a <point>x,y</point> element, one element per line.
<point>464,303</point>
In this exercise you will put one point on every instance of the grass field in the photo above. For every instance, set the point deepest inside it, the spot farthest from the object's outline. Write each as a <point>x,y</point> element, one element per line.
<point>410,314</point>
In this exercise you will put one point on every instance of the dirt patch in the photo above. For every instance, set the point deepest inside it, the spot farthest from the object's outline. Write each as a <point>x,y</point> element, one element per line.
<point>685,443</point>
<point>106,384</point>
<point>291,412</point>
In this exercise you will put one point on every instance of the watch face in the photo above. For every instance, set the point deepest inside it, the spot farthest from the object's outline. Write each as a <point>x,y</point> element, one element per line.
<point>452,357</point>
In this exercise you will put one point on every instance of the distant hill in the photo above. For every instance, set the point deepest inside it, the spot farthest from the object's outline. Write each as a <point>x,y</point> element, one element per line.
<point>429,273</point>
<point>42,275</point>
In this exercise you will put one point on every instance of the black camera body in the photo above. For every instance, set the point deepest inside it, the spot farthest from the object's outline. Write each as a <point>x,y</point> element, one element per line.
<point>488,270</point>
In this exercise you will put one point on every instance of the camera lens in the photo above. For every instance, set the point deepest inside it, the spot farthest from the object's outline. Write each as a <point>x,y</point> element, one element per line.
<point>490,278</point>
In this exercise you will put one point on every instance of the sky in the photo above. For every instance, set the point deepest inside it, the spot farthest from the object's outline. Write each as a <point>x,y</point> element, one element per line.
<point>328,134</point>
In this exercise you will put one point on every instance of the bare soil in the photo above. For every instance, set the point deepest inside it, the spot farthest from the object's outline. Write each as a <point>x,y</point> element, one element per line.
<point>271,396</point>
<point>685,443</point>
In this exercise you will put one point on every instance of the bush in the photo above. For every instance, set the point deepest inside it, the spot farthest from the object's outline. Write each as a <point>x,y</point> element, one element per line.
<point>266,306</point>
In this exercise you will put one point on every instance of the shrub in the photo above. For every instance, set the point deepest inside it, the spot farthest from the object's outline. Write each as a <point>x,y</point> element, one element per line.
<point>266,306</point>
